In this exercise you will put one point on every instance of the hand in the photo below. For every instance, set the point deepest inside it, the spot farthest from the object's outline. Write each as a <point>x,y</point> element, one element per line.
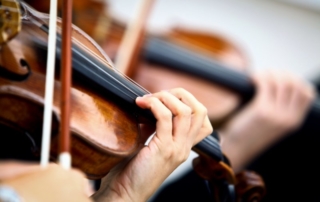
<point>53,183</point>
<point>181,123</point>
<point>279,107</point>
<point>11,169</point>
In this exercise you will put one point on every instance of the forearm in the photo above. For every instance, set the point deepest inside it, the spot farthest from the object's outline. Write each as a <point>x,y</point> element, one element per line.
<point>243,145</point>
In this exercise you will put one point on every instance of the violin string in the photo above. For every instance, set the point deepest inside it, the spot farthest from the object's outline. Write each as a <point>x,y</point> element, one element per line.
<point>39,24</point>
<point>106,63</point>
<point>115,70</point>
<point>133,81</point>
<point>89,19</point>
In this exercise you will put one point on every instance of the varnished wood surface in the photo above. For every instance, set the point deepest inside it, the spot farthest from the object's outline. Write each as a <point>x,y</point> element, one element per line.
<point>95,115</point>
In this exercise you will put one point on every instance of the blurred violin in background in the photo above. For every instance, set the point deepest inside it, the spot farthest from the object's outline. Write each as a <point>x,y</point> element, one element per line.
<point>220,48</point>
<point>168,64</point>
<point>228,88</point>
<point>153,76</point>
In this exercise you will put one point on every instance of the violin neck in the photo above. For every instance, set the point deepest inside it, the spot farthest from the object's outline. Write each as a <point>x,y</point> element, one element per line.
<point>96,70</point>
<point>210,147</point>
<point>110,80</point>
<point>170,55</point>
<point>175,57</point>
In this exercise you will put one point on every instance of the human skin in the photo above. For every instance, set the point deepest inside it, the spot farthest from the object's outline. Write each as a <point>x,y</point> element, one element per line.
<point>182,122</point>
<point>52,183</point>
<point>278,108</point>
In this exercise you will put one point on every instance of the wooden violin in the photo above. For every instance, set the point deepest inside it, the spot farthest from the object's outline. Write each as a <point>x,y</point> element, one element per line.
<point>98,98</point>
<point>95,113</point>
<point>95,84</point>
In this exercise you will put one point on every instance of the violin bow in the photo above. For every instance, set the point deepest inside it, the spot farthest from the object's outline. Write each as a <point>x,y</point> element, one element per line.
<point>66,58</point>
<point>66,75</point>
<point>49,85</point>
<point>133,38</point>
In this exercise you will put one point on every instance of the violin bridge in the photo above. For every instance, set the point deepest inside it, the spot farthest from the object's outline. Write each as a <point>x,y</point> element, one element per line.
<point>10,20</point>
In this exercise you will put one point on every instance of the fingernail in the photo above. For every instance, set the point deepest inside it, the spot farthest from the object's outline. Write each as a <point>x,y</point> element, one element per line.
<point>147,95</point>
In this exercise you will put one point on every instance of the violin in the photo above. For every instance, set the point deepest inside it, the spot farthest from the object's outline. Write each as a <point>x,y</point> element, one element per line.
<point>88,15</point>
<point>162,67</point>
<point>201,63</point>
<point>238,83</point>
<point>95,82</point>
<point>154,76</point>
<point>22,89</point>
<point>109,96</point>
<point>102,99</point>
<point>216,54</point>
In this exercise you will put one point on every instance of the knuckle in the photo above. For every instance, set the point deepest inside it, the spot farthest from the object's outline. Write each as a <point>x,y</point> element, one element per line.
<point>184,111</point>
<point>206,128</point>
<point>203,110</point>
<point>165,115</point>
<point>152,101</point>
<point>180,90</point>
<point>163,93</point>
<point>209,129</point>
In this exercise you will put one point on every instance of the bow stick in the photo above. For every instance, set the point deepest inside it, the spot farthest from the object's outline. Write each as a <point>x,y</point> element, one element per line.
<point>64,143</point>
<point>133,38</point>
<point>66,71</point>
<point>48,97</point>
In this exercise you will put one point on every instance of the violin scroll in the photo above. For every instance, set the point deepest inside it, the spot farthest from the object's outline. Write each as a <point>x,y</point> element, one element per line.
<point>246,186</point>
<point>10,20</point>
<point>250,187</point>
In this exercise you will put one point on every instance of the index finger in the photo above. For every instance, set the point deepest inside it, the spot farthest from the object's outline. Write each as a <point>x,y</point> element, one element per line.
<point>201,126</point>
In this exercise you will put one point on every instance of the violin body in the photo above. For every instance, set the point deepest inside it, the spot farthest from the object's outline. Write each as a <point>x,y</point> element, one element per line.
<point>104,131</point>
<point>98,143</point>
